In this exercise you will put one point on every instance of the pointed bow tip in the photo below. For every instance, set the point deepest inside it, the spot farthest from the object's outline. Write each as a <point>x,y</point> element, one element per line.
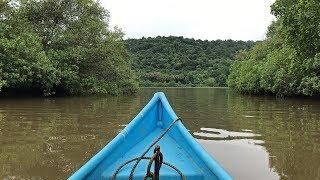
<point>159,93</point>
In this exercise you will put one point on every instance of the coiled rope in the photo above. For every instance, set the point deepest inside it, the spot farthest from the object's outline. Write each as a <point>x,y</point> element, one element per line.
<point>138,159</point>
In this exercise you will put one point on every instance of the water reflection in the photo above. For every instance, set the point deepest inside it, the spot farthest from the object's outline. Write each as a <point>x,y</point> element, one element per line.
<point>289,128</point>
<point>244,158</point>
<point>213,133</point>
<point>252,137</point>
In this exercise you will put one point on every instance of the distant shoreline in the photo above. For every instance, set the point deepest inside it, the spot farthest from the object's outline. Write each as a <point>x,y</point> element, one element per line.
<point>185,87</point>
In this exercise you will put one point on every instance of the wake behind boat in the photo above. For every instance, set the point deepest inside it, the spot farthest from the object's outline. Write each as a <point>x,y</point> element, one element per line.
<point>154,141</point>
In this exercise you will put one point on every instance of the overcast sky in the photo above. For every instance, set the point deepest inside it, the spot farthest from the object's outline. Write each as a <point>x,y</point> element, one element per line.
<point>199,19</point>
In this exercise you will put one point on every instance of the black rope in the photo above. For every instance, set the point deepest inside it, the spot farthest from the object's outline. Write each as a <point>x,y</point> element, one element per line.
<point>138,159</point>
<point>148,158</point>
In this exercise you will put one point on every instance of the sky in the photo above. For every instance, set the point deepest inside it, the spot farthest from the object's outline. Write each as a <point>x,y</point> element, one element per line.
<point>198,19</point>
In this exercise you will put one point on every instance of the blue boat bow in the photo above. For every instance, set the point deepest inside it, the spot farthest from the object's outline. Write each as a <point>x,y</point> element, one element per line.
<point>178,147</point>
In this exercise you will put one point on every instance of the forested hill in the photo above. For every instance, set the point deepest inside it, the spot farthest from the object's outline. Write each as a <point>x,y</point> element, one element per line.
<point>178,61</point>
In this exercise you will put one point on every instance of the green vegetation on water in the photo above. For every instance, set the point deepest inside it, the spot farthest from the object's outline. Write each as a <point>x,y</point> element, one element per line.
<point>177,61</point>
<point>61,46</point>
<point>287,63</point>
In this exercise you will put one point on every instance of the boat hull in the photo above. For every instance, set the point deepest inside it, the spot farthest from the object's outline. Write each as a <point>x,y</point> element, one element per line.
<point>178,147</point>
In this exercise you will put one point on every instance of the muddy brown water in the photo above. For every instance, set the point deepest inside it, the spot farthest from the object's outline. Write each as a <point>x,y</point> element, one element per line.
<point>251,137</point>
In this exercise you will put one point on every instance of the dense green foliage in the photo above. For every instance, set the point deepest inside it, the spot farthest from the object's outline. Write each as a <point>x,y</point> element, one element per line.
<point>288,61</point>
<point>63,46</point>
<point>178,61</point>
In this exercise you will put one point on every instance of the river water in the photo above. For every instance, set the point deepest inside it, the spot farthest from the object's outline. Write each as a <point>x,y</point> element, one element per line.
<point>251,137</point>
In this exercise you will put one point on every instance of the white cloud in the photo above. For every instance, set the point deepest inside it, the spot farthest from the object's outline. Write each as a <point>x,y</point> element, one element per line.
<point>199,19</point>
